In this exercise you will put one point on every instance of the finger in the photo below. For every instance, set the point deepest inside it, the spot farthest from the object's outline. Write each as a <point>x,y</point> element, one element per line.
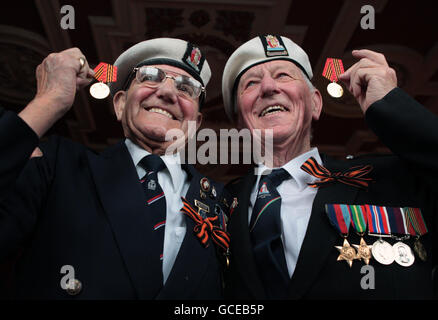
<point>371,55</point>
<point>364,63</point>
<point>358,82</point>
<point>90,73</point>
<point>82,82</point>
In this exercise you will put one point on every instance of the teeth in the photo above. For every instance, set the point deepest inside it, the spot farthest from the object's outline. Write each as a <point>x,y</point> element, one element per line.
<point>272,109</point>
<point>161,111</point>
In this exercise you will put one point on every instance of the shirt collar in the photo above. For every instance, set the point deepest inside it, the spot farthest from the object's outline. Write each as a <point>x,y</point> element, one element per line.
<point>172,162</point>
<point>301,177</point>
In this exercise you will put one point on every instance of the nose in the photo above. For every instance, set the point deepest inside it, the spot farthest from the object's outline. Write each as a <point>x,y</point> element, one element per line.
<point>167,91</point>
<point>268,86</point>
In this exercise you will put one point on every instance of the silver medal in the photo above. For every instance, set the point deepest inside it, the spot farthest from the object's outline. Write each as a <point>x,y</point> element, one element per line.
<point>403,254</point>
<point>335,90</point>
<point>99,90</point>
<point>383,252</point>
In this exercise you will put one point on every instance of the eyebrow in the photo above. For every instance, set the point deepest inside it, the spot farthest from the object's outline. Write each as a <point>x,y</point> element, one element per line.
<point>259,73</point>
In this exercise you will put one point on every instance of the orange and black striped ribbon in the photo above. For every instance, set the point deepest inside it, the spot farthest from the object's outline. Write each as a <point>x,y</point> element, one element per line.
<point>105,72</point>
<point>205,227</point>
<point>353,176</point>
<point>333,69</point>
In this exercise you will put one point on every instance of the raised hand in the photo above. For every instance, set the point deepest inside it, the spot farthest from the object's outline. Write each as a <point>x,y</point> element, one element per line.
<point>369,79</point>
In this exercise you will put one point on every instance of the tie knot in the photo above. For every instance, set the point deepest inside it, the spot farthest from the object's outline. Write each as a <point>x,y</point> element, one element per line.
<point>277,176</point>
<point>152,162</point>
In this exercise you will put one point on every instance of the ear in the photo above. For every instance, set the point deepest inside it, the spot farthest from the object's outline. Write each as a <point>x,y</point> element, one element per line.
<point>119,101</point>
<point>198,120</point>
<point>316,104</point>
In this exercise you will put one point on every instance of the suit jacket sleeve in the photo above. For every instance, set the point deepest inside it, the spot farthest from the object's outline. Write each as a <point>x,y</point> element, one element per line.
<point>24,182</point>
<point>409,130</point>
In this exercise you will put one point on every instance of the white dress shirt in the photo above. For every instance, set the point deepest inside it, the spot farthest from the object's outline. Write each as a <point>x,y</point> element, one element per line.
<point>296,205</point>
<point>174,182</point>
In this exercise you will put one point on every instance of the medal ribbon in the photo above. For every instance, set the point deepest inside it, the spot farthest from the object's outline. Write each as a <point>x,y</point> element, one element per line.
<point>358,218</point>
<point>205,227</point>
<point>354,176</point>
<point>332,69</point>
<point>105,72</point>
<point>339,216</point>
<point>378,222</point>
<point>416,220</point>
<point>397,220</point>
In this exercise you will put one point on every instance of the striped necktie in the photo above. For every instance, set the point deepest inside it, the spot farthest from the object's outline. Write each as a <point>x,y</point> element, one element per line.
<point>265,229</point>
<point>155,206</point>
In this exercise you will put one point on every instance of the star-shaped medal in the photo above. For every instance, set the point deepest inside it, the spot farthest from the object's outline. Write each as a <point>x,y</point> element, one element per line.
<point>347,253</point>
<point>363,251</point>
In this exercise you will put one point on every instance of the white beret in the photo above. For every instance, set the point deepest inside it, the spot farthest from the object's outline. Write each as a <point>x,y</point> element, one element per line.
<point>174,52</point>
<point>256,51</point>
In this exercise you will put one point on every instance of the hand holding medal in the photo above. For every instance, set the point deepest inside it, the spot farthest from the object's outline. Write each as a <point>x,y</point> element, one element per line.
<point>369,79</point>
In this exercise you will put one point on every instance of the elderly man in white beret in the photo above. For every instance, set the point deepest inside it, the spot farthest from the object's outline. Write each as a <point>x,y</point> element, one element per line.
<point>312,227</point>
<point>131,222</point>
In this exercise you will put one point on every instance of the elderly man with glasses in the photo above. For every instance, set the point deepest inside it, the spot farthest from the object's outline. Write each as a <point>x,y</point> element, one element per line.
<point>131,222</point>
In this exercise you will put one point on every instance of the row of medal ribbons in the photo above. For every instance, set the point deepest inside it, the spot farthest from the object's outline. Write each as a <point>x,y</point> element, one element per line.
<point>379,221</point>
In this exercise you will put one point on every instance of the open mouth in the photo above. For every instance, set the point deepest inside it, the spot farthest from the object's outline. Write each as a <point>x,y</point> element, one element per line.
<point>272,110</point>
<point>161,111</point>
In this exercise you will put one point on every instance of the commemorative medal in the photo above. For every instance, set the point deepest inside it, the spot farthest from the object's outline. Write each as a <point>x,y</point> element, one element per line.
<point>403,254</point>
<point>419,250</point>
<point>347,253</point>
<point>332,70</point>
<point>378,225</point>
<point>383,252</point>
<point>104,73</point>
<point>340,218</point>
<point>99,90</point>
<point>359,222</point>
<point>335,90</point>
<point>418,228</point>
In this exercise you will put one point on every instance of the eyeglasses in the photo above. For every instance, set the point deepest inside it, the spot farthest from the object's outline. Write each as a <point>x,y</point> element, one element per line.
<point>153,77</point>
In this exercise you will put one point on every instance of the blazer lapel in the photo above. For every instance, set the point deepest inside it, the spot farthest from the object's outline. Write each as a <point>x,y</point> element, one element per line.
<point>320,236</point>
<point>123,201</point>
<point>241,246</point>
<point>193,258</point>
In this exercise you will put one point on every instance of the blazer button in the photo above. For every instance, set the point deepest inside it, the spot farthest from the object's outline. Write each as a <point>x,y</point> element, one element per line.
<point>74,287</point>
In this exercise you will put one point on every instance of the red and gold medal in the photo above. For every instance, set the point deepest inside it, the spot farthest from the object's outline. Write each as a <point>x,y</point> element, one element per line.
<point>332,70</point>
<point>104,73</point>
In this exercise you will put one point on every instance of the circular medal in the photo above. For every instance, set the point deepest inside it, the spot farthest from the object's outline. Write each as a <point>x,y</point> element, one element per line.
<point>383,252</point>
<point>403,254</point>
<point>335,90</point>
<point>205,184</point>
<point>419,250</point>
<point>99,90</point>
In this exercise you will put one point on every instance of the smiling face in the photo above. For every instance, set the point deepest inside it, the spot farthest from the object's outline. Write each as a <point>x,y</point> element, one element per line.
<point>147,114</point>
<point>275,95</point>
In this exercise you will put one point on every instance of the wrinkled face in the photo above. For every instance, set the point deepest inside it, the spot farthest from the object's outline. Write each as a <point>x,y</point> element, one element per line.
<point>274,95</point>
<point>147,114</point>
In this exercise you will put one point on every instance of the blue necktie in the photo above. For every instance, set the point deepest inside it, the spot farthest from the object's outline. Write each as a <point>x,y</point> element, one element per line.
<point>265,228</point>
<point>155,206</point>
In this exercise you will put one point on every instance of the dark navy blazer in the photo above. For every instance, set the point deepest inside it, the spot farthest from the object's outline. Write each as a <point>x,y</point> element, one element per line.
<point>75,207</point>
